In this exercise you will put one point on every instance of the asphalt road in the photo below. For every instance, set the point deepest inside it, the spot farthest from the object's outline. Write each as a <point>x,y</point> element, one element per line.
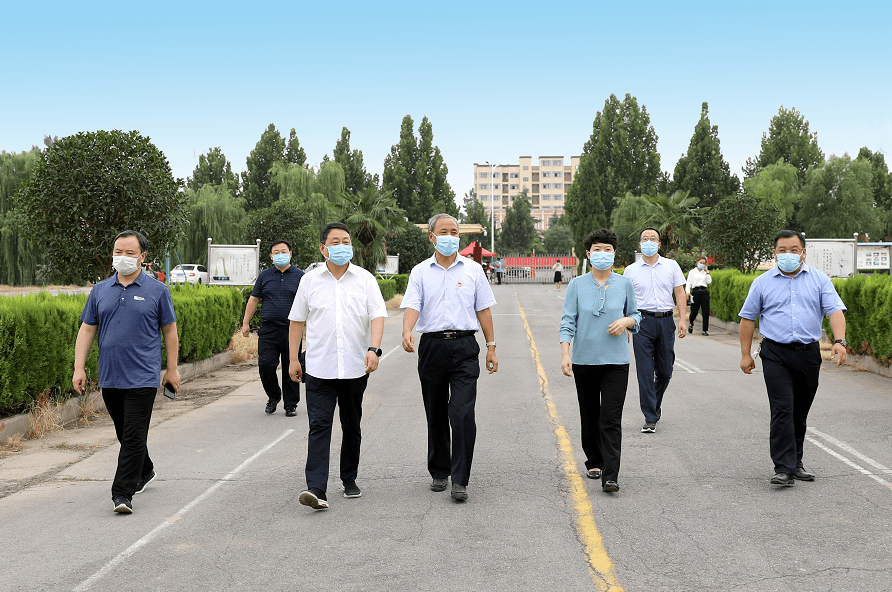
<point>695,512</point>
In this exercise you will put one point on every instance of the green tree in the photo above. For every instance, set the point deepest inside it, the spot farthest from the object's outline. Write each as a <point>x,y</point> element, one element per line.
<point>286,219</point>
<point>294,154</point>
<point>18,256</point>
<point>518,233</point>
<point>91,186</point>
<point>214,213</point>
<point>881,186</point>
<point>415,173</point>
<point>779,184</point>
<point>703,172</point>
<point>257,187</point>
<point>837,200</point>
<point>475,213</point>
<point>372,216</point>
<point>558,240</point>
<point>788,138</point>
<point>621,156</point>
<point>316,190</point>
<point>675,216</point>
<point>627,221</point>
<point>355,175</point>
<point>213,169</point>
<point>739,231</point>
<point>412,245</point>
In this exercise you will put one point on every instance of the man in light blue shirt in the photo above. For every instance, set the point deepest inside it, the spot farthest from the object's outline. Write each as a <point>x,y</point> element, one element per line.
<point>790,301</point>
<point>447,300</point>
<point>655,280</point>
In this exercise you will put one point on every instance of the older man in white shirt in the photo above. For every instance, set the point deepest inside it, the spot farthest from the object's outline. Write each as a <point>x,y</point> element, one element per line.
<point>449,299</point>
<point>343,311</point>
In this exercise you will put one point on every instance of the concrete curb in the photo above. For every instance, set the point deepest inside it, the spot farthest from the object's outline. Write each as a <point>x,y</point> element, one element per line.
<point>70,410</point>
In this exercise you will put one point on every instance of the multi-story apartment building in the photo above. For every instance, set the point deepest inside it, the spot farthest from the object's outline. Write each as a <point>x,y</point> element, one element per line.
<point>545,182</point>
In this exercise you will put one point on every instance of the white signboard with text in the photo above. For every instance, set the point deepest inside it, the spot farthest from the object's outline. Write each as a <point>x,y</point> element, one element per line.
<point>835,257</point>
<point>390,267</point>
<point>233,265</point>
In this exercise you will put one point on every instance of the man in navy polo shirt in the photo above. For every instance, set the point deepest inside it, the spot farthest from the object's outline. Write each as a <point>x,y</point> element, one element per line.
<point>276,286</point>
<point>129,312</point>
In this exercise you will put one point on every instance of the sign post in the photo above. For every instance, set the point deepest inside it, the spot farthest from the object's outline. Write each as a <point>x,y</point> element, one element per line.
<point>233,265</point>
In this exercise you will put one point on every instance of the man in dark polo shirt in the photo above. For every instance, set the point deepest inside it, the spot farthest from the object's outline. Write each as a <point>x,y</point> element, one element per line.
<point>129,312</point>
<point>276,286</point>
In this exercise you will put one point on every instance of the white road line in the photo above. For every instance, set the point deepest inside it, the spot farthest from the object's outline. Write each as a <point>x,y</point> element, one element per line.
<point>842,445</point>
<point>86,584</point>
<point>689,367</point>
<point>831,452</point>
<point>400,346</point>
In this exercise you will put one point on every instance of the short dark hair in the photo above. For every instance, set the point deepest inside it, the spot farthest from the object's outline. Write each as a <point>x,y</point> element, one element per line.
<point>323,236</point>
<point>143,241</point>
<point>659,234</point>
<point>702,257</point>
<point>602,236</point>
<point>789,234</point>
<point>279,242</point>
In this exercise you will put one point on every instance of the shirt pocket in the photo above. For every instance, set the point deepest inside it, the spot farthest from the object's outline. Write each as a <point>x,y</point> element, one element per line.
<point>356,305</point>
<point>466,294</point>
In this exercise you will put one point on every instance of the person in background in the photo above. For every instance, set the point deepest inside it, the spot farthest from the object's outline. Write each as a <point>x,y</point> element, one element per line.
<point>698,289</point>
<point>600,306</point>
<point>276,287</point>
<point>129,312</point>
<point>341,306</point>
<point>558,268</point>
<point>500,269</point>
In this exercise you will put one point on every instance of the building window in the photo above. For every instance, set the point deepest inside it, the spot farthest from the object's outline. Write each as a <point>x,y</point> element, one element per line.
<point>495,185</point>
<point>513,187</point>
<point>514,175</point>
<point>484,186</point>
<point>484,175</point>
<point>526,179</point>
<point>544,163</point>
<point>546,197</point>
<point>558,185</point>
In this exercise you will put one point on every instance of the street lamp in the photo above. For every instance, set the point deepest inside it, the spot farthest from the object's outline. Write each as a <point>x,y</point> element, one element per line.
<point>492,208</point>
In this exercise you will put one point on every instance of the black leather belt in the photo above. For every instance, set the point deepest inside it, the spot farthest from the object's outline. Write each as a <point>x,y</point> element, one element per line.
<point>449,334</point>
<point>795,345</point>
<point>698,288</point>
<point>658,315</point>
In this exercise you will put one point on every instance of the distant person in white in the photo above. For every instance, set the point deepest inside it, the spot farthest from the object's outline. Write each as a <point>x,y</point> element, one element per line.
<point>343,310</point>
<point>558,269</point>
<point>698,289</point>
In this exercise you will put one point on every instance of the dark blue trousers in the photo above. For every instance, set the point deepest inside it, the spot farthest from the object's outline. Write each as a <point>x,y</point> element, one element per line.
<point>131,412</point>
<point>791,378</point>
<point>272,346</point>
<point>449,369</point>
<point>654,347</point>
<point>322,397</point>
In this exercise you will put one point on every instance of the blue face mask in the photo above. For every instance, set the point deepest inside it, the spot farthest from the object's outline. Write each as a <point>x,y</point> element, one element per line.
<point>447,245</point>
<point>650,248</point>
<point>340,254</point>
<point>788,262</point>
<point>281,259</point>
<point>601,261</point>
<point>700,266</point>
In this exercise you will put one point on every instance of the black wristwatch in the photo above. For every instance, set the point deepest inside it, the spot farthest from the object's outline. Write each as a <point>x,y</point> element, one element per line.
<point>377,351</point>
<point>842,341</point>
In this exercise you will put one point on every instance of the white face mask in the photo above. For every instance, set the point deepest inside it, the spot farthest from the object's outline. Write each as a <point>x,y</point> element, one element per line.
<point>125,265</point>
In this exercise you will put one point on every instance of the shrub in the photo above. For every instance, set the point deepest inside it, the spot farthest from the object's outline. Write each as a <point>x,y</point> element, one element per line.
<point>402,281</point>
<point>388,289</point>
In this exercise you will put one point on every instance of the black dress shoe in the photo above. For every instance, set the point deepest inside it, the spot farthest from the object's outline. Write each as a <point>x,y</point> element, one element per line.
<point>782,479</point>
<point>439,485</point>
<point>459,492</point>
<point>610,486</point>
<point>270,408</point>
<point>291,411</point>
<point>803,475</point>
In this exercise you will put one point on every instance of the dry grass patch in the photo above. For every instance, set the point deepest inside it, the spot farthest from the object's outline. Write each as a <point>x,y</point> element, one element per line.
<point>44,417</point>
<point>11,445</point>
<point>243,348</point>
<point>395,301</point>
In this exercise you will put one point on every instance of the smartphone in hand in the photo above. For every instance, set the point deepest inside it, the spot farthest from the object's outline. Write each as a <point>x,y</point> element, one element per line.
<point>169,392</point>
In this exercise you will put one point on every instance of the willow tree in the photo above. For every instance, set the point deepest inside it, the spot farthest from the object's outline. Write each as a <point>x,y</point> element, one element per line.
<point>213,213</point>
<point>317,191</point>
<point>18,257</point>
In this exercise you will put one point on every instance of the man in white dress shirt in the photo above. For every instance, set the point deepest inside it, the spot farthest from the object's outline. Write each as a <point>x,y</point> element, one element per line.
<point>343,311</point>
<point>655,280</point>
<point>449,299</point>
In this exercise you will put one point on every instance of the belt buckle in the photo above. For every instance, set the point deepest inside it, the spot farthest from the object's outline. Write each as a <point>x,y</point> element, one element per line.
<point>448,334</point>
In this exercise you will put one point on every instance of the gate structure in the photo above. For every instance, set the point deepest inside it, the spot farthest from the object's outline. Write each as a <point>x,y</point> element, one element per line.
<point>523,269</point>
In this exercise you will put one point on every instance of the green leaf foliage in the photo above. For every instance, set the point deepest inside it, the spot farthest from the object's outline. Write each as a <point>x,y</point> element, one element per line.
<point>356,178</point>
<point>18,255</point>
<point>214,213</point>
<point>294,154</point>
<point>675,216</point>
<point>881,186</point>
<point>868,299</point>
<point>779,184</point>
<point>402,281</point>
<point>728,291</point>
<point>413,246</point>
<point>257,186</point>
<point>475,213</point>
<point>788,138</point>
<point>371,216</point>
<point>207,317</point>
<point>627,221</point>
<point>388,288</point>
<point>317,191</point>
<point>89,187</point>
<point>739,232</point>
<point>518,232</point>
<point>415,173</point>
<point>558,240</point>
<point>837,200</point>
<point>703,172</point>
<point>286,219</point>
<point>213,169</point>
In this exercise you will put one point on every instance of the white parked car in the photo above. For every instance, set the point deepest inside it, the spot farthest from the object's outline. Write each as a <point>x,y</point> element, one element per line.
<point>189,272</point>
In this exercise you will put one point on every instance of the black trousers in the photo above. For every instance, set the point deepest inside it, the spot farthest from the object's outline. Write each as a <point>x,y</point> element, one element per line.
<point>449,369</point>
<point>700,300</point>
<point>601,391</point>
<point>272,346</point>
<point>322,396</point>
<point>499,277</point>
<point>131,412</point>
<point>791,378</point>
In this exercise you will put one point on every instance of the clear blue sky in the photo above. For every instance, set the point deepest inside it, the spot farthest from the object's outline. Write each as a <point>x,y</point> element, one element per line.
<point>496,79</point>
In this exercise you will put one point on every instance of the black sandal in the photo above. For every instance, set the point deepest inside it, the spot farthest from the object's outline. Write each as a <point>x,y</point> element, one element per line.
<point>594,473</point>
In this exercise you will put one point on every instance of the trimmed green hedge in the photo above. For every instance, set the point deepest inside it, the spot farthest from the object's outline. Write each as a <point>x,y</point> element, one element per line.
<point>38,332</point>
<point>402,281</point>
<point>388,288</point>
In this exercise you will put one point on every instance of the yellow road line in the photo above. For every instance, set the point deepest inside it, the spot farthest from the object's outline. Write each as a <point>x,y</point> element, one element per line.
<point>600,564</point>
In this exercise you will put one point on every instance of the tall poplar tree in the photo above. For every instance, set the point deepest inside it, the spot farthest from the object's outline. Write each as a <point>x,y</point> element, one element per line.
<point>621,156</point>
<point>703,172</point>
<point>213,169</point>
<point>416,174</point>
<point>355,175</point>
<point>294,154</point>
<point>257,189</point>
<point>881,185</point>
<point>789,138</point>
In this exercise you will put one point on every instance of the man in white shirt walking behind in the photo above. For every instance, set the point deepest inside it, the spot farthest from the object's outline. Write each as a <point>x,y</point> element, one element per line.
<point>343,311</point>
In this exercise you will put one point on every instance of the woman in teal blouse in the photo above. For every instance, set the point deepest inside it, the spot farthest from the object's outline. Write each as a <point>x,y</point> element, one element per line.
<point>599,308</point>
